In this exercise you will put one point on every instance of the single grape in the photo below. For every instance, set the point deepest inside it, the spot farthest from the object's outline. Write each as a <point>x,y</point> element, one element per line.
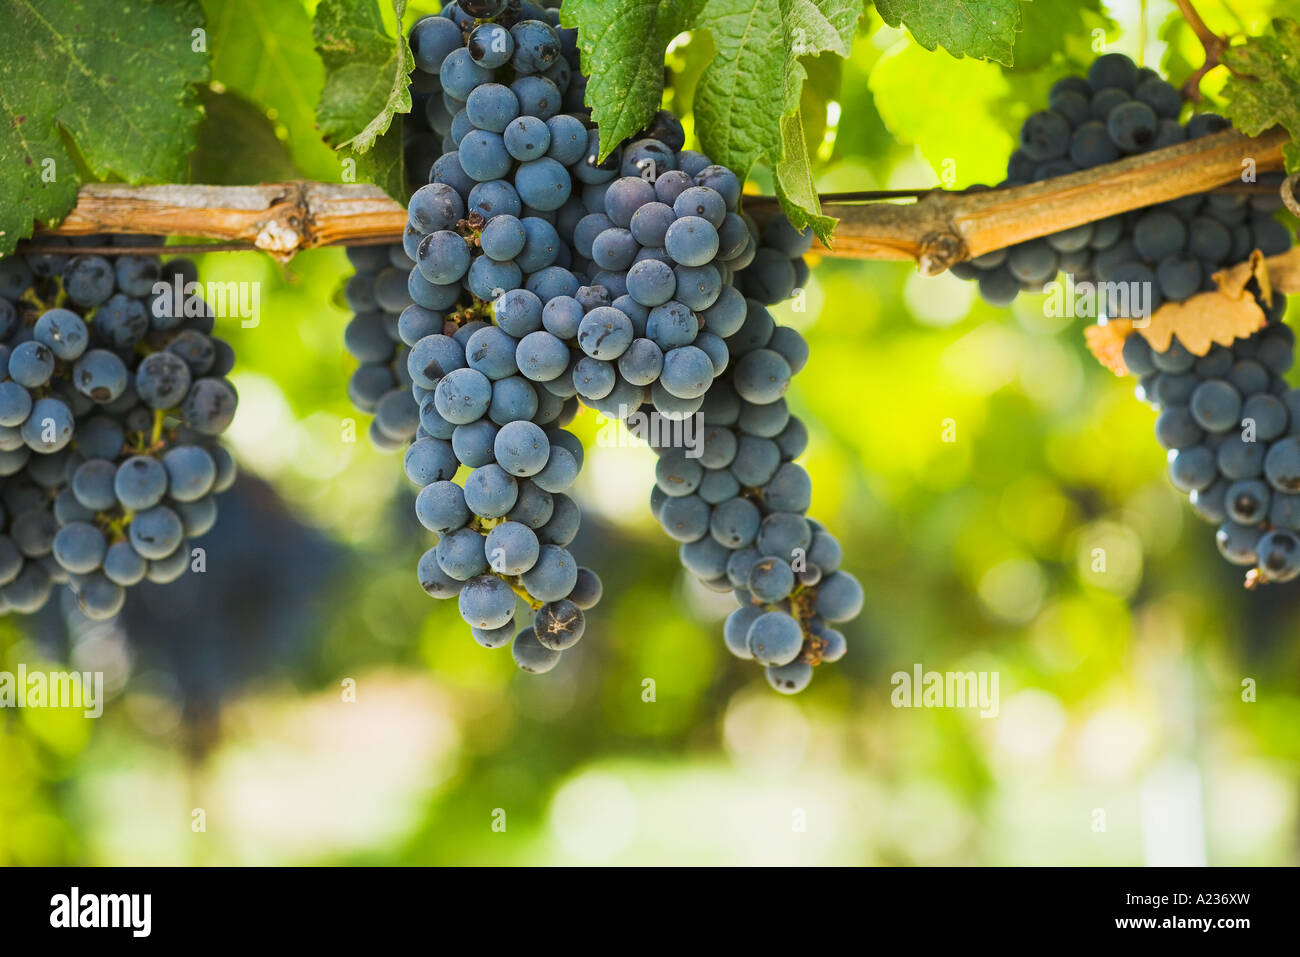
<point>774,639</point>
<point>692,241</point>
<point>531,655</point>
<point>1278,554</point>
<point>558,625</point>
<point>791,678</point>
<point>156,532</point>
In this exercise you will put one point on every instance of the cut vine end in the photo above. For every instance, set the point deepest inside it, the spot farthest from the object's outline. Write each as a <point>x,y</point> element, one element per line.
<point>940,251</point>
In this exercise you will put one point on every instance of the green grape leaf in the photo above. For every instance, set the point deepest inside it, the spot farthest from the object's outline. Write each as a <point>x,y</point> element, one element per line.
<point>984,29</point>
<point>237,144</point>
<point>1052,29</point>
<point>1264,90</point>
<point>821,25</point>
<point>384,164</point>
<point>622,45</point>
<point>116,81</point>
<point>264,52</point>
<point>367,72</point>
<point>822,86</point>
<point>794,182</point>
<point>744,91</point>
<point>756,65</point>
<point>745,95</point>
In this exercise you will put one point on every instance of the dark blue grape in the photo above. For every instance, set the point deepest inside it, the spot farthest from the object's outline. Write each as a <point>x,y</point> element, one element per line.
<point>483,156</point>
<point>527,138</point>
<point>1247,502</point>
<point>1238,459</point>
<point>490,45</point>
<point>434,207</point>
<point>536,46</point>
<point>624,197</point>
<point>1045,135</point>
<point>1113,69</point>
<point>774,638</point>
<point>1215,404</point>
<point>459,74</point>
<point>100,375</point>
<point>1203,124</point>
<point>543,184</point>
<point>537,95</point>
<point>1132,126</point>
<point>1159,233</point>
<point>432,39</point>
<point>494,198</point>
<point>1091,145</point>
<point>721,180</point>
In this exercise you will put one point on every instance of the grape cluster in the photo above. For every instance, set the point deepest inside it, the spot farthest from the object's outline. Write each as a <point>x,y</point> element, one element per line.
<point>544,277</point>
<point>478,382</point>
<point>1228,420</point>
<point>615,286</point>
<point>739,506</point>
<point>111,403</point>
<point>1231,426</point>
<point>1172,249</point>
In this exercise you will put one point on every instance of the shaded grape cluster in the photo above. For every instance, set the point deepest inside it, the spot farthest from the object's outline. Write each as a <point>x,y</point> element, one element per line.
<point>1231,428</point>
<point>112,400</point>
<point>1172,249</point>
<point>778,270</point>
<point>375,336</point>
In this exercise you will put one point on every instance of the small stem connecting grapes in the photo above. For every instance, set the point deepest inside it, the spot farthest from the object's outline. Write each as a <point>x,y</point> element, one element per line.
<point>516,586</point>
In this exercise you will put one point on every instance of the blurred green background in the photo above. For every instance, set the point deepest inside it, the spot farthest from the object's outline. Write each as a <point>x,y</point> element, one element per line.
<point>1122,735</point>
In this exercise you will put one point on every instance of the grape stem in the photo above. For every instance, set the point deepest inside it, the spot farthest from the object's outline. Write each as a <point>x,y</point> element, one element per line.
<point>517,586</point>
<point>802,609</point>
<point>1214,45</point>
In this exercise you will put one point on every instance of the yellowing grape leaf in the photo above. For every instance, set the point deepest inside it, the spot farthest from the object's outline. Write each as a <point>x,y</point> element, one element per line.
<point>1205,319</point>
<point>1220,315</point>
<point>1284,271</point>
<point>1106,343</point>
<point>1279,273</point>
<point>1264,89</point>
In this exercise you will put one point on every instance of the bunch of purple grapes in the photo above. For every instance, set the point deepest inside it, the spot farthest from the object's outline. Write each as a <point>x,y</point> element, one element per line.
<point>737,501</point>
<point>112,397</point>
<point>545,277</point>
<point>1230,424</point>
<point>1170,251</point>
